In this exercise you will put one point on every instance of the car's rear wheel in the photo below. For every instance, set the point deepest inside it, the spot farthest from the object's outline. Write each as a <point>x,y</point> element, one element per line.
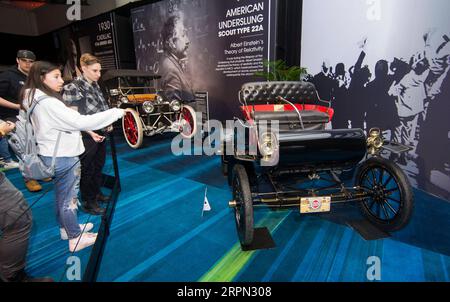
<point>391,203</point>
<point>132,129</point>
<point>244,205</point>
<point>188,122</point>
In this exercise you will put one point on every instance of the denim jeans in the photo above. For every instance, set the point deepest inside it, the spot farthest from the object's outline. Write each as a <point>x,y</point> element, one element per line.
<point>67,186</point>
<point>4,151</point>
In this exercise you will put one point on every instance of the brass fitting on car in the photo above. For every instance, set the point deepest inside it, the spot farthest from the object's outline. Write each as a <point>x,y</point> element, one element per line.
<point>374,141</point>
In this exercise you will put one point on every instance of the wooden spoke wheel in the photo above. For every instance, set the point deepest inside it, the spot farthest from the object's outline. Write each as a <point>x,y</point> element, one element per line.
<point>188,122</point>
<point>390,204</point>
<point>244,208</point>
<point>132,129</point>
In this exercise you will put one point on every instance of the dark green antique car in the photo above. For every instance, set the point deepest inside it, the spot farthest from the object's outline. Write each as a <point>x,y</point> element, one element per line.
<point>286,155</point>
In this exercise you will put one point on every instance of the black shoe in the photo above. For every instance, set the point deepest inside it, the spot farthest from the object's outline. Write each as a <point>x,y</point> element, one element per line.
<point>92,208</point>
<point>102,198</point>
<point>22,276</point>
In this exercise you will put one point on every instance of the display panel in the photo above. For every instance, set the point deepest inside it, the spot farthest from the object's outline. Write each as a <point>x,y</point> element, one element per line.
<point>224,44</point>
<point>94,36</point>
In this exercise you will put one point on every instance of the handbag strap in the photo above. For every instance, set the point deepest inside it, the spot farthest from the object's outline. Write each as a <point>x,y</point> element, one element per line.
<point>33,105</point>
<point>56,149</point>
<point>29,112</point>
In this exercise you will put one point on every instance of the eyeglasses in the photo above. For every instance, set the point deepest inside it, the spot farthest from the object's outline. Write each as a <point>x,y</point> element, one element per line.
<point>27,61</point>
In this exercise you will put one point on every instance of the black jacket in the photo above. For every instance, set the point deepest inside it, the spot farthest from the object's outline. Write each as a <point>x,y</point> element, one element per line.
<point>11,82</point>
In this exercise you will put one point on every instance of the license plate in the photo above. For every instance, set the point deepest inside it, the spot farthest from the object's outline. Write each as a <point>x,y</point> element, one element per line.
<point>278,108</point>
<point>315,205</point>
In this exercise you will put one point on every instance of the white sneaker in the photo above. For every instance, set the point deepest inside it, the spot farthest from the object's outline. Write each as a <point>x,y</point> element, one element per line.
<point>8,165</point>
<point>82,241</point>
<point>84,229</point>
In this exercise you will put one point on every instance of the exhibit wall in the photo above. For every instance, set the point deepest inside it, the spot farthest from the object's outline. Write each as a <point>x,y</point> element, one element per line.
<point>227,43</point>
<point>385,63</point>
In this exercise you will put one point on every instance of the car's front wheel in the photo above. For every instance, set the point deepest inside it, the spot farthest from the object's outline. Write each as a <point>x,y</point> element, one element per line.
<point>244,205</point>
<point>188,122</point>
<point>132,129</point>
<point>390,204</point>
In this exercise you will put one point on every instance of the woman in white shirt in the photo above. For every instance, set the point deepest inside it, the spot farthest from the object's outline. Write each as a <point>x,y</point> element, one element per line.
<point>50,118</point>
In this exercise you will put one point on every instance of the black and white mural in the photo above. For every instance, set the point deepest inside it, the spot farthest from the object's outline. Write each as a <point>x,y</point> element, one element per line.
<point>385,63</point>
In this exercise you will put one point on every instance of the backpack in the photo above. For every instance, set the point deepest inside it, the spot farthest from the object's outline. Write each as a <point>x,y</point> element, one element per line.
<point>23,142</point>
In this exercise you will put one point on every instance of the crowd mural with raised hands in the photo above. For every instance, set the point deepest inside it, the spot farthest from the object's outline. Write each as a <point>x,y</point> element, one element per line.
<point>406,97</point>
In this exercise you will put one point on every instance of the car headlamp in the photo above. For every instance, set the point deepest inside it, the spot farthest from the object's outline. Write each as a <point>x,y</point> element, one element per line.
<point>148,107</point>
<point>175,105</point>
<point>159,99</point>
<point>375,140</point>
<point>114,92</point>
<point>267,144</point>
<point>124,99</point>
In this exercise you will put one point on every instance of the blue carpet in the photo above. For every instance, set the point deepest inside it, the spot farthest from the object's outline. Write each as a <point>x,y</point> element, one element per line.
<point>159,234</point>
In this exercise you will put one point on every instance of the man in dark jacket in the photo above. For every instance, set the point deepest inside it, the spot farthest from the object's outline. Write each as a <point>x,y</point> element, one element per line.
<point>11,82</point>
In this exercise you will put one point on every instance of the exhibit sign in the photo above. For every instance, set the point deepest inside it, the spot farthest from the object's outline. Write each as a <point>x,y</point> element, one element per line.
<point>94,36</point>
<point>383,67</point>
<point>204,45</point>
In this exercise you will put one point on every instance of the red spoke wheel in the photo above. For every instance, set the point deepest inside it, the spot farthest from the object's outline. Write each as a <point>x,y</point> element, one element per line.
<point>188,122</point>
<point>132,129</point>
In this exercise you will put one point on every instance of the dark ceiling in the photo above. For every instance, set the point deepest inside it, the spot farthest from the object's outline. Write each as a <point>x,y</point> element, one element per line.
<point>83,2</point>
<point>33,4</point>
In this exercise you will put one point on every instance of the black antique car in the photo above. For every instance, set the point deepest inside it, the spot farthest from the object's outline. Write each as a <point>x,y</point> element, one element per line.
<point>300,162</point>
<point>152,113</point>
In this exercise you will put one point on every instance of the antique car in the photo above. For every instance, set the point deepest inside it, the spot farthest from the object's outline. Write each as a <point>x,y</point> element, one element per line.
<point>301,162</point>
<point>151,112</point>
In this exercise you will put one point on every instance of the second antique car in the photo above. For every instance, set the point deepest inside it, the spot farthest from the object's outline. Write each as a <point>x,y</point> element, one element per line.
<point>301,163</point>
<point>151,112</point>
